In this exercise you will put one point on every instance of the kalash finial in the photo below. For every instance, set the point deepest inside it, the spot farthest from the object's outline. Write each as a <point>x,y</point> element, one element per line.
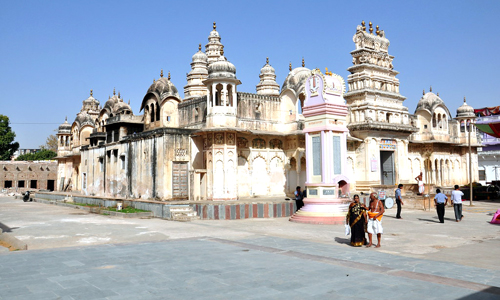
<point>423,92</point>
<point>326,71</point>
<point>290,66</point>
<point>363,24</point>
<point>168,75</point>
<point>161,73</point>
<point>66,119</point>
<point>267,60</point>
<point>215,26</point>
<point>199,47</point>
<point>154,80</point>
<point>371,29</point>
<point>464,99</point>
<point>91,93</point>
<point>303,63</point>
<point>430,89</point>
<point>114,92</point>
<point>119,94</point>
<point>378,31</point>
<point>438,94</point>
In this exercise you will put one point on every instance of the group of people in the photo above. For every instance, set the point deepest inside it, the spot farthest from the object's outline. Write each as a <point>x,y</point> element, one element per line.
<point>362,219</point>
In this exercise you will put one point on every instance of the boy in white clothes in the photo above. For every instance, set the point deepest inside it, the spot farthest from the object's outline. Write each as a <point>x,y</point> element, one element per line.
<point>456,197</point>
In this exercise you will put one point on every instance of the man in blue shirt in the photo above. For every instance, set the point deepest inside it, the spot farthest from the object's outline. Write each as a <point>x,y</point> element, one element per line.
<point>399,201</point>
<point>441,200</point>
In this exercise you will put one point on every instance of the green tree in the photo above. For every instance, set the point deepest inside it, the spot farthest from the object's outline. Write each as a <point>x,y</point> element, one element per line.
<point>44,154</point>
<point>7,144</point>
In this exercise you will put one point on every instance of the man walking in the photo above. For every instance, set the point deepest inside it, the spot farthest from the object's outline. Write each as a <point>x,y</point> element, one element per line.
<point>456,197</point>
<point>441,200</point>
<point>375,212</point>
<point>399,201</point>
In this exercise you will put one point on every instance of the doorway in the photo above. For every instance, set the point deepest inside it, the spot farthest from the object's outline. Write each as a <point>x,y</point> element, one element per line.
<point>387,167</point>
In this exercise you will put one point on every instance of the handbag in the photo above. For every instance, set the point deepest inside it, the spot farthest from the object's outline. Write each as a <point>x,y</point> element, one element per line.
<point>347,229</point>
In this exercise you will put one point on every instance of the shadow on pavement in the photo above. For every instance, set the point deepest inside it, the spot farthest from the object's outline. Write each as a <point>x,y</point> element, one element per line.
<point>492,290</point>
<point>6,228</point>
<point>346,241</point>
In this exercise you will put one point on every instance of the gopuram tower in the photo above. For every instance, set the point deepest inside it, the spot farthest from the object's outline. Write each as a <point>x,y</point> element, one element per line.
<point>376,113</point>
<point>325,131</point>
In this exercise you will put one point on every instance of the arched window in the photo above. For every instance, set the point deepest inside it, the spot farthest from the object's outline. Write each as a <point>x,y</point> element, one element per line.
<point>229,95</point>
<point>218,95</point>
<point>300,103</point>
<point>152,113</point>
<point>388,117</point>
<point>433,120</point>
<point>462,126</point>
<point>157,112</point>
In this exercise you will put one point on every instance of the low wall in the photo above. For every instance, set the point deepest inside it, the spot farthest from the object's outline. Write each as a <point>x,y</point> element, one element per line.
<point>206,210</point>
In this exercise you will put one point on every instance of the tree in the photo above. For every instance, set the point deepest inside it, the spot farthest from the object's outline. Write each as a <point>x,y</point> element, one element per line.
<point>50,143</point>
<point>43,154</point>
<point>7,144</point>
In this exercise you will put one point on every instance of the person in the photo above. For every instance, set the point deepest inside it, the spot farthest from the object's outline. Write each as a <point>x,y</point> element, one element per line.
<point>374,226</point>
<point>399,201</point>
<point>420,183</point>
<point>299,198</point>
<point>456,197</point>
<point>356,218</point>
<point>441,200</point>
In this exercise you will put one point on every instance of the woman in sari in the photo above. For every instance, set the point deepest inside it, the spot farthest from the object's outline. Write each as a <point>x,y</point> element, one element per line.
<point>356,218</point>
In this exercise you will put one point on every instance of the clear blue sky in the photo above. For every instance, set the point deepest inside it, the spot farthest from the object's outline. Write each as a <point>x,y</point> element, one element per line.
<point>53,52</point>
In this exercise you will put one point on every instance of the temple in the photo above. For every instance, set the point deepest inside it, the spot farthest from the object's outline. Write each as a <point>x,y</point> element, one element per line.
<point>219,143</point>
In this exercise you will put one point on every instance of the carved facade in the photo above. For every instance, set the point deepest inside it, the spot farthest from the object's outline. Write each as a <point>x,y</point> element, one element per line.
<point>217,143</point>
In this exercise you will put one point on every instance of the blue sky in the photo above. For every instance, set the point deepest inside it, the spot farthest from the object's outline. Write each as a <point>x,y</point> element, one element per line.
<point>53,52</point>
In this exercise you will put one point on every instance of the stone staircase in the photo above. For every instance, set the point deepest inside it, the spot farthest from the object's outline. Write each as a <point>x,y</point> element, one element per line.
<point>183,213</point>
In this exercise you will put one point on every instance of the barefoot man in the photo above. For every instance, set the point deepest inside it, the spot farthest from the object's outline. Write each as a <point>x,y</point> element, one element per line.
<point>375,212</point>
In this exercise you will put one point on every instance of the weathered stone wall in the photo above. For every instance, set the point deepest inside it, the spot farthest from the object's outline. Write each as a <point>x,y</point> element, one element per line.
<point>20,176</point>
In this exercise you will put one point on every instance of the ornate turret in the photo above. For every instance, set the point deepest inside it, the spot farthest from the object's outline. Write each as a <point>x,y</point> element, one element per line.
<point>373,98</point>
<point>214,46</point>
<point>267,84</point>
<point>465,111</point>
<point>199,72</point>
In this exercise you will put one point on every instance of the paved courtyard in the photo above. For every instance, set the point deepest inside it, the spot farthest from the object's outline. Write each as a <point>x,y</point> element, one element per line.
<point>75,255</point>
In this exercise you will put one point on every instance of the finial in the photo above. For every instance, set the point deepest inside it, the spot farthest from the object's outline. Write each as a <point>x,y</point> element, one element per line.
<point>91,93</point>
<point>430,90</point>
<point>114,93</point>
<point>290,66</point>
<point>438,94</point>
<point>363,24</point>
<point>371,29</point>
<point>199,47</point>
<point>378,31</point>
<point>464,99</point>
<point>303,62</point>
<point>267,60</point>
<point>154,80</point>
<point>326,71</point>
<point>119,94</point>
<point>66,119</point>
<point>215,26</point>
<point>423,93</point>
<point>128,101</point>
<point>161,73</point>
<point>222,50</point>
<point>168,75</point>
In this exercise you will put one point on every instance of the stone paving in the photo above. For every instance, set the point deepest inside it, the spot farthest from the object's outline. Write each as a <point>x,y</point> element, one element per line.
<point>88,256</point>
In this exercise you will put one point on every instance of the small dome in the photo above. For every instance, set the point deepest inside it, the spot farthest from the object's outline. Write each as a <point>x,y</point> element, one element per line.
<point>90,103</point>
<point>429,102</point>
<point>200,57</point>
<point>122,107</point>
<point>465,111</point>
<point>64,127</point>
<point>83,118</point>
<point>164,88</point>
<point>221,69</point>
<point>296,80</point>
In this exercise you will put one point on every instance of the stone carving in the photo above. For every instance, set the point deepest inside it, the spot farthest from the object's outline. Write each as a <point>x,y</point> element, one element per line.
<point>242,142</point>
<point>219,138</point>
<point>259,144</point>
<point>230,139</point>
<point>209,141</point>
<point>275,144</point>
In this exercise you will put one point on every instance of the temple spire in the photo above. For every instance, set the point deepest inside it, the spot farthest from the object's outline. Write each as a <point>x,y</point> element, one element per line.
<point>303,62</point>
<point>215,26</point>
<point>161,73</point>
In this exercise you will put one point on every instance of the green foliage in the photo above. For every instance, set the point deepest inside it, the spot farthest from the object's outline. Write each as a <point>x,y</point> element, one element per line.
<point>7,144</point>
<point>44,154</point>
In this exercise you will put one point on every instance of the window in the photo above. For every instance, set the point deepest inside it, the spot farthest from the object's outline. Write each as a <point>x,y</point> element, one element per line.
<point>482,175</point>
<point>168,118</point>
<point>122,160</point>
<point>101,164</point>
<point>7,184</point>
<point>425,126</point>
<point>20,183</point>
<point>33,184</point>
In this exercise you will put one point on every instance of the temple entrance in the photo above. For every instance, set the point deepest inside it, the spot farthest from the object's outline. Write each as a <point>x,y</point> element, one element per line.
<point>180,180</point>
<point>387,167</point>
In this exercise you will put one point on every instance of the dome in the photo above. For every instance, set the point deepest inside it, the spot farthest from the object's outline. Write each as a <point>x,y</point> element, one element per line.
<point>200,56</point>
<point>161,89</point>
<point>267,84</point>
<point>465,111</point>
<point>296,80</point>
<point>90,103</point>
<point>122,107</point>
<point>64,127</point>
<point>221,69</point>
<point>429,102</point>
<point>83,118</point>
<point>267,69</point>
